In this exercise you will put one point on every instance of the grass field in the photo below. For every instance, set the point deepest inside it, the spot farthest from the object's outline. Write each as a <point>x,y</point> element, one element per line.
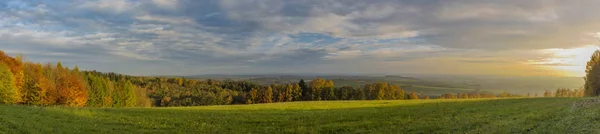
<point>526,115</point>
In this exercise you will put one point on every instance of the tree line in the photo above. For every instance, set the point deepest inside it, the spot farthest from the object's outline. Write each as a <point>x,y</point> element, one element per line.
<point>31,83</point>
<point>565,92</point>
<point>48,84</point>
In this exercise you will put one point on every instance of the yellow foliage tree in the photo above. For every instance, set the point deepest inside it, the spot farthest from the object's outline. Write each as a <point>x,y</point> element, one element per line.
<point>8,90</point>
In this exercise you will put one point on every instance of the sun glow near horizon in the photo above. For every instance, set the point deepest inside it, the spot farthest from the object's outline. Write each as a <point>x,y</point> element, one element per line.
<point>570,61</point>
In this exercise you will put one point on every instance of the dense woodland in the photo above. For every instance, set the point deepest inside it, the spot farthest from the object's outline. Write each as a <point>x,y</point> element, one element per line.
<point>31,83</point>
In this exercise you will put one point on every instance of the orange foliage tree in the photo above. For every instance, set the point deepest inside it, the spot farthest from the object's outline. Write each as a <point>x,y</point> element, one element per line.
<point>36,85</point>
<point>70,87</point>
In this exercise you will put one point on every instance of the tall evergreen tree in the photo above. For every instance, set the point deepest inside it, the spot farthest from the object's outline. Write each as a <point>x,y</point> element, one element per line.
<point>304,88</point>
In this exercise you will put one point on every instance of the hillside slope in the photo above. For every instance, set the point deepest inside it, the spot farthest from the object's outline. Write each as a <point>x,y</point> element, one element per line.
<point>537,115</point>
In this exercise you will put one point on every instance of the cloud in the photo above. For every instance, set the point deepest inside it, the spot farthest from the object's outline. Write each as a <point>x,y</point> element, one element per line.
<point>111,6</point>
<point>167,4</point>
<point>212,36</point>
<point>456,23</point>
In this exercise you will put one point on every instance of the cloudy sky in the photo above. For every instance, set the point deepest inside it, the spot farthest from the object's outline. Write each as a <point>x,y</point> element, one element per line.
<point>185,37</point>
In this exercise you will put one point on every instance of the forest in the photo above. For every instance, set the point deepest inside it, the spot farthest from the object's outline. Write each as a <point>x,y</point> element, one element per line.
<point>29,83</point>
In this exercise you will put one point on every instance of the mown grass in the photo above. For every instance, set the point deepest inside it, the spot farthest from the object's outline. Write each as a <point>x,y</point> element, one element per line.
<point>526,115</point>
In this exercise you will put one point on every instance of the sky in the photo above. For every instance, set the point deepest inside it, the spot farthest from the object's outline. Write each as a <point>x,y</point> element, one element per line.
<point>188,37</point>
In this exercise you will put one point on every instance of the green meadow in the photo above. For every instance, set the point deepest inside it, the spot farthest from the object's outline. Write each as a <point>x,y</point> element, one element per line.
<point>520,115</point>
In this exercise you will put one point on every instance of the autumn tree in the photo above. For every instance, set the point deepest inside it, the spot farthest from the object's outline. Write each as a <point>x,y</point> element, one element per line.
<point>142,99</point>
<point>70,87</point>
<point>380,89</point>
<point>180,81</point>
<point>223,97</point>
<point>266,95</point>
<point>390,91</point>
<point>35,86</point>
<point>252,96</point>
<point>560,93</point>
<point>547,94</point>
<point>448,96</point>
<point>289,93</point>
<point>592,77</point>
<point>463,95</point>
<point>383,91</point>
<point>280,95</point>
<point>78,93</point>
<point>8,90</point>
<point>503,94</point>
<point>319,88</point>
<point>297,92</point>
<point>293,92</point>
<point>62,87</point>
<point>51,75</point>
<point>315,89</point>
<point>400,94</point>
<point>15,66</point>
<point>278,92</point>
<point>413,96</point>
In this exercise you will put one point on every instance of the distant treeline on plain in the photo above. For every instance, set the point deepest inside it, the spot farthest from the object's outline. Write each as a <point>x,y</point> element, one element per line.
<point>31,83</point>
